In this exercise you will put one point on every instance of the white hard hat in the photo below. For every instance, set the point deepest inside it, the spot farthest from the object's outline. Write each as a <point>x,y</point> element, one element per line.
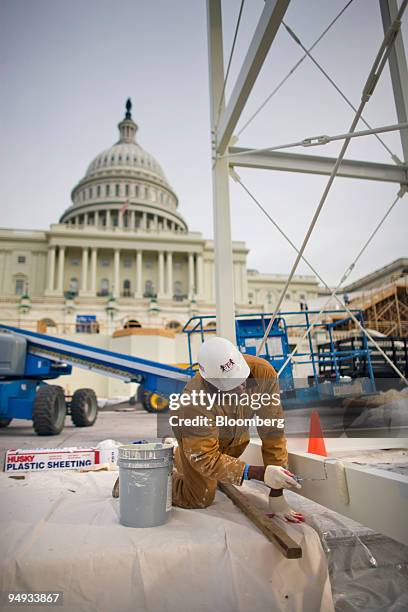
<point>222,364</point>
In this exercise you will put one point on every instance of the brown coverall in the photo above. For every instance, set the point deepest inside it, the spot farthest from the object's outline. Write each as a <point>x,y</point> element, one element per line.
<point>203,458</point>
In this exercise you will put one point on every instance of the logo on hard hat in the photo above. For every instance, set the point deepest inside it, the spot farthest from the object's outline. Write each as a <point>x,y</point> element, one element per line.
<point>226,367</point>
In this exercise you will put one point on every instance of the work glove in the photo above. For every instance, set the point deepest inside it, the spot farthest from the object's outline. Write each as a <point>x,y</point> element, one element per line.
<point>279,508</point>
<point>278,477</point>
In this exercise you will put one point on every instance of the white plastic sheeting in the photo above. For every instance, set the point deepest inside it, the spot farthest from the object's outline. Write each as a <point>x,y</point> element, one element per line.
<point>368,571</point>
<point>60,532</point>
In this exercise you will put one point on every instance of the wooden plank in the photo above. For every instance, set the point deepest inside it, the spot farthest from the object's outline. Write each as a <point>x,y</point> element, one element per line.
<point>275,534</point>
<point>398,312</point>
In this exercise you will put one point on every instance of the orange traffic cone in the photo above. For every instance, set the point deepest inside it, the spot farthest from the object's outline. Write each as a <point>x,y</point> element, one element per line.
<point>316,441</point>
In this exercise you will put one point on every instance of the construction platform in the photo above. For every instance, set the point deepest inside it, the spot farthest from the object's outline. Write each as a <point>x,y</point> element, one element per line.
<point>61,531</point>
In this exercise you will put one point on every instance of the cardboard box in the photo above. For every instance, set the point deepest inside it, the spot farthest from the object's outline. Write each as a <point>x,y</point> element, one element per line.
<point>40,459</point>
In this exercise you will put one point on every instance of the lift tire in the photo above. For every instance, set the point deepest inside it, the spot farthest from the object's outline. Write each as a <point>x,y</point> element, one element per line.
<point>5,422</point>
<point>84,408</point>
<point>154,403</point>
<point>49,410</point>
<point>140,394</point>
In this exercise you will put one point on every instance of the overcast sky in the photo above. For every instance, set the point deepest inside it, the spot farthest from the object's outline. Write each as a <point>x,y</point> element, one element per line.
<point>68,66</point>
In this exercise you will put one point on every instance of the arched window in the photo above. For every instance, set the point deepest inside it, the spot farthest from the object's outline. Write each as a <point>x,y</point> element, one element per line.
<point>137,191</point>
<point>132,323</point>
<point>126,189</point>
<point>104,287</point>
<point>126,288</point>
<point>174,326</point>
<point>107,190</point>
<point>210,325</point>
<point>149,289</point>
<point>117,188</point>
<point>44,325</point>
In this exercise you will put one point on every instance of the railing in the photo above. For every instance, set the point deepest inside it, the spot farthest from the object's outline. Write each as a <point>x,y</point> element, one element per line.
<point>286,326</point>
<point>395,347</point>
<point>367,299</point>
<point>117,228</point>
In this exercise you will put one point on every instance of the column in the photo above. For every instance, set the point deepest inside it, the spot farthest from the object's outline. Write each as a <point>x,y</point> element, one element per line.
<point>120,218</point>
<point>237,282</point>
<point>191,279</point>
<point>96,218</point>
<point>61,259</point>
<point>161,275</point>
<point>169,261</point>
<point>132,220</point>
<point>139,268</point>
<point>6,276</point>
<point>244,283</point>
<point>108,218</point>
<point>51,268</point>
<point>94,255</point>
<point>212,282</point>
<point>116,273</point>
<point>200,276</point>
<point>84,270</point>
<point>86,219</point>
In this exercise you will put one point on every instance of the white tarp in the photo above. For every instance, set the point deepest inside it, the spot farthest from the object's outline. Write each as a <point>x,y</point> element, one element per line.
<point>60,531</point>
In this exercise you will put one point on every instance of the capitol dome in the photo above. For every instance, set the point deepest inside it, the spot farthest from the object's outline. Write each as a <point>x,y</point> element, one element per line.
<point>125,186</point>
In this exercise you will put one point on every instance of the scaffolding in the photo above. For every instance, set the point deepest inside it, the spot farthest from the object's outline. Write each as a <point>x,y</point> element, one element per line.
<point>386,309</point>
<point>225,116</point>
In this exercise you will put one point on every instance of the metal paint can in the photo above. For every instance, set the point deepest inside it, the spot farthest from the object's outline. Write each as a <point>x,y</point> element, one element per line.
<point>145,483</point>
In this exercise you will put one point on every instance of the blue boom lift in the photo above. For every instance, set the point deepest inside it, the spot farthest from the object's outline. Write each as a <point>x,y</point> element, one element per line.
<point>29,359</point>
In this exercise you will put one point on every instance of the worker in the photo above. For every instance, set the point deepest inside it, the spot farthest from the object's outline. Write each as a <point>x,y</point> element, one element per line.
<point>208,453</point>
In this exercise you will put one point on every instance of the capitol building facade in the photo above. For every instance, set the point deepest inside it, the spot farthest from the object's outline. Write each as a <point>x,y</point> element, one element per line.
<point>123,256</point>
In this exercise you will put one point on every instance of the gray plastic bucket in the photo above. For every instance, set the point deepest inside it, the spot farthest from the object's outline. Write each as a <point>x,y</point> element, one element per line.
<point>145,483</point>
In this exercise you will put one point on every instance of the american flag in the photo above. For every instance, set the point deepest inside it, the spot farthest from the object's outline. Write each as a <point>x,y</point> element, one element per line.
<point>123,208</point>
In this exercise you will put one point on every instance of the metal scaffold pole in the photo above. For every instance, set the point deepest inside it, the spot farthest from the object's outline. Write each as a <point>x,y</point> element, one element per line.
<point>398,68</point>
<point>224,287</point>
